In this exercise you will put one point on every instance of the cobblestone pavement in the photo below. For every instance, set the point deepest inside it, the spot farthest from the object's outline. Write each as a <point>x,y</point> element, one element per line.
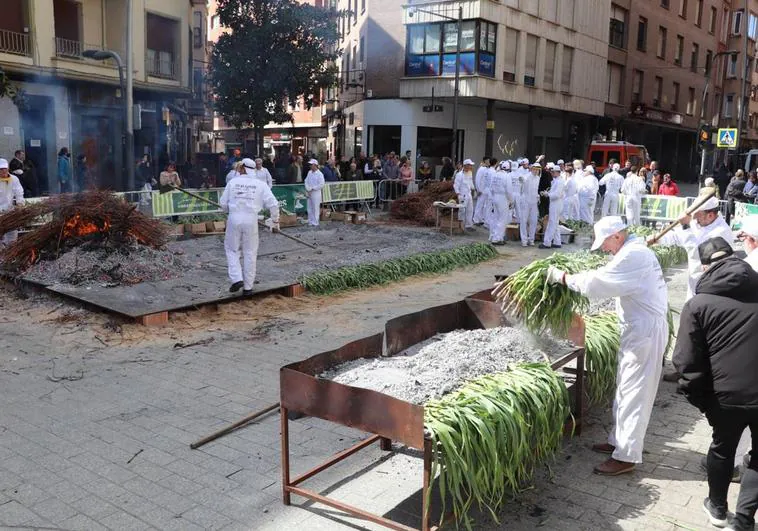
<point>96,417</point>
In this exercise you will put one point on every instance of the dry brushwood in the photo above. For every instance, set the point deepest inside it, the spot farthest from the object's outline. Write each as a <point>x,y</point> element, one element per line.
<point>76,219</point>
<point>418,207</point>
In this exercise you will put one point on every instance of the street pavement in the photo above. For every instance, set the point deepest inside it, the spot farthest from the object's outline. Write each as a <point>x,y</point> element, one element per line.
<point>96,418</point>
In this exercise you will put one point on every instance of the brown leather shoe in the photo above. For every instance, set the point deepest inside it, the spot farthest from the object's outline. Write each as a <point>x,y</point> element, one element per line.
<point>603,448</point>
<point>671,377</point>
<point>612,467</point>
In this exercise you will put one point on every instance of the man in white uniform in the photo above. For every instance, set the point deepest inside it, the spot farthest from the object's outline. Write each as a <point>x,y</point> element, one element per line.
<point>530,198</point>
<point>634,277</point>
<point>243,198</point>
<point>633,189</point>
<point>613,181</point>
<point>588,187</point>
<point>516,183</point>
<point>552,236</point>
<point>501,195</point>
<point>571,194</point>
<point>464,187</point>
<point>314,182</point>
<point>484,168</point>
<point>11,195</point>
<point>749,236</point>
<point>257,171</point>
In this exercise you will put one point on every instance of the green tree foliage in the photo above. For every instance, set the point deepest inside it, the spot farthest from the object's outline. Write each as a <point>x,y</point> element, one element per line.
<point>274,52</point>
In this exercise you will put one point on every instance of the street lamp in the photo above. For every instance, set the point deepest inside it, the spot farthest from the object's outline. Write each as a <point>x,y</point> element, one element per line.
<point>103,55</point>
<point>411,12</point>
<point>702,106</point>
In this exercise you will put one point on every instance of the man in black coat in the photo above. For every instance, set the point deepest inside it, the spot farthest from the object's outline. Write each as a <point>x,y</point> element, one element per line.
<point>717,359</point>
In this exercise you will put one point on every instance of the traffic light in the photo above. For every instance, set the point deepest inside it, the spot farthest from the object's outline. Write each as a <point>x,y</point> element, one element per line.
<point>704,136</point>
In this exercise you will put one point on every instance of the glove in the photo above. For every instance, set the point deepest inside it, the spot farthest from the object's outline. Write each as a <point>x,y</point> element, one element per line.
<point>555,275</point>
<point>274,227</point>
<point>544,193</point>
<point>650,240</point>
<point>18,172</point>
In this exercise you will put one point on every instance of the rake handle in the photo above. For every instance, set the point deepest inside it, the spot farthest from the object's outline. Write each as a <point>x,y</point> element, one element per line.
<point>671,226</point>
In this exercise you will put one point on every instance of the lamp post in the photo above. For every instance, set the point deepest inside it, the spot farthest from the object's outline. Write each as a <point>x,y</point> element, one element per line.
<point>456,84</point>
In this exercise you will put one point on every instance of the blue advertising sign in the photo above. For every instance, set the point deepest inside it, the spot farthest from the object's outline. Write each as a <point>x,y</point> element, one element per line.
<point>468,64</point>
<point>432,65</point>
<point>486,64</point>
<point>414,65</point>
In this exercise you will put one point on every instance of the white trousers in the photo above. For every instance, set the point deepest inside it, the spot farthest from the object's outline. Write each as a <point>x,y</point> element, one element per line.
<point>500,217</point>
<point>632,207</point>
<point>571,207</point>
<point>242,234</point>
<point>482,209</point>
<point>639,371</point>
<point>314,207</point>
<point>516,211</point>
<point>610,204</point>
<point>552,231</point>
<point>466,214</point>
<point>528,225</point>
<point>587,208</point>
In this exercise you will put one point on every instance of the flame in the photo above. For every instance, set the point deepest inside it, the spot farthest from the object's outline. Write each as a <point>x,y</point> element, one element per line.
<point>78,226</point>
<point>33,256</point>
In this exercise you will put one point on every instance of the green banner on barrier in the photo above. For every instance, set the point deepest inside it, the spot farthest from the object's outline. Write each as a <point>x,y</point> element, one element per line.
<point>659,207</point>
<point>347,191</point>
<point>181,204</point>
<point>742,210</point>
<point>291,197</point>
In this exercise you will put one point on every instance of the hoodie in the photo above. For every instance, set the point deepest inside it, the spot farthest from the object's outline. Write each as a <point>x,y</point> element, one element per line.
<point>715,351</point>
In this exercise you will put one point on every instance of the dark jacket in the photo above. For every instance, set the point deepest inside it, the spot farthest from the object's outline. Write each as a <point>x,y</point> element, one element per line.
<point>330,176</point>
<point>716,353</point>
<point>447,172</point>
<point>735,189</point>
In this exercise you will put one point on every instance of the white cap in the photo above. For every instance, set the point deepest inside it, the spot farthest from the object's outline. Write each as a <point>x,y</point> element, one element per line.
<point>589,170</point>
<point>312,162</point>
<point>248,163</point>
<point>536,165</point>
<point>560,161</point>
<point>549,166</point>
<point>616,167</point>
<point>607,226</point>
<point>750,226</point>
<point>3,164</point>
<point>525,161</point>
<point>709,181</point>
<point>468,162</point>
<point>711,204</point>
<point>505,165</point>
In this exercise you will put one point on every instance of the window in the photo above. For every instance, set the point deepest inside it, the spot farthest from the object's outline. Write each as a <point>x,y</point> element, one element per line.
<point>752,26</point>
<point>615,73</point>
<point>665,4</point>
<point>679,50</point>
<point>197,30</point>
<point>662,34</point>
<point>728,105</point>
<point>642,34</point>
<point>731,68</point>
<point>431,48</point>
<point>658,91</point>
<point>618,26</point>
<point>355,12</point>
<point>675,102</point>
<point>637,80</point>
<point>550,10</point>
<point>568,64</point>
<point>708,62</point>
<point>737,22</point>
<point>683,8</point>
<point>355,56</point>
<point>712,21</point>
<point>699,13</point>
<point>694,59</point>
<point>511,54</point>
<point>691,102</point>
<point>530,65</point>
<point>214,22</point>
<point>704,108</point>
<point>567,13</point>
<point>549,74</point>
<point>488,37</point>
<point>598,157</point>
<point>363,6</point>
<point>362,50</point>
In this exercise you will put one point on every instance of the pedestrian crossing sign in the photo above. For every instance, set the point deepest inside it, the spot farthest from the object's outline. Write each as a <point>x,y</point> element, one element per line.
<point>727,138</point>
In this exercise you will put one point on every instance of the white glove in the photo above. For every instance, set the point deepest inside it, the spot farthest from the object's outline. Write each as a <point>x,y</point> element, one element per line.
<point>18,172</point>
<point>274,227</point>
<point>544,193</point>
<point>555,275</point>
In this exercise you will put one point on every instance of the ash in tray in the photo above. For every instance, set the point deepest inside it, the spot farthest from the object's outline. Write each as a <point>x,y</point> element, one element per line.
<point>443,363</point>
<point>90,265</point>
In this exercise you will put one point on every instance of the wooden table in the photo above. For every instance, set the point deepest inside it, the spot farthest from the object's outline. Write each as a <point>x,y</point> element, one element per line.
<point>454,208</point>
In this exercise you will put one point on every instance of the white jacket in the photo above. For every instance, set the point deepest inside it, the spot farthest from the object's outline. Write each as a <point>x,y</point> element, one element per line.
<point>557,189</point>
<point>613,182</point>
<point>530,190</point>
<point>262,175</point>
<point>244,197</point>
<point>501,185</point>
<point>517,183</point>
<point>633,188</point>
<point>571,189</point>
<point>479,178</point>
<point>314,181</point>
<point>588,186</point>
<point>464,183</point>
<point>11,190</point>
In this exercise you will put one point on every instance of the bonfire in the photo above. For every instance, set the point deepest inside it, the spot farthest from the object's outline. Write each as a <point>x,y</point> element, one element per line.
<point>95,219</point>
<point>418,207</point>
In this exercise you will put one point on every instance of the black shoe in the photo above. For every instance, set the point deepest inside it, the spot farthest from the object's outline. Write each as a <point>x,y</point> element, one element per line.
<point>498,243</point>
<point>716,516</point>
<point>543,246</point>
<point>247,292</point>
<point>557,246</point>
<point>236,287</point>
<point>671,377</point>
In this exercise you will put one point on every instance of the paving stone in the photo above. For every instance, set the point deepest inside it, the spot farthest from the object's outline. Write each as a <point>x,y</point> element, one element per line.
<point>12,513</point>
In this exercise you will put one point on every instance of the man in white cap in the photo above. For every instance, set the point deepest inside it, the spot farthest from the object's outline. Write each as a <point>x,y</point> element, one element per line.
<point>635,279</point>
<point>243,198</point>
<point>613,181</point>
<point>517,182</point>
<point>501,195</point>
<point>588,188</point>
<point>314,182</point>
<point>552,235</point>
<point>633,189</point>
<point>464,187</point>
<point>11,194</point>
<point>530,198</point>
<point>257,171</point>
<point>571,193</point>
<point>749,236</point>
<point>481,172</point>
<point>707,223</point>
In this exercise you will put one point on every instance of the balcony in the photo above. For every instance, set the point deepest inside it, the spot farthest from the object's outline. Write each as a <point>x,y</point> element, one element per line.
<point>69,48</point>
<point>15,43</point>
<point>161,65</point>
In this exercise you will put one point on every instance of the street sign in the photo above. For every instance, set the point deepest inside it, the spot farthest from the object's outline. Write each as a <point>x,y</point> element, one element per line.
<point>432,108</point>
<point>727,138</point>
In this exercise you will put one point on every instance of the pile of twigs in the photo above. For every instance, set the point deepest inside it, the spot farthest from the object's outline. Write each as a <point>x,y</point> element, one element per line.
<point>76,219</point>
<point>417,207</point>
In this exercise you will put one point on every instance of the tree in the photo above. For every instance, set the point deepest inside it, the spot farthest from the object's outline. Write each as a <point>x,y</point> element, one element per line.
<point>10,90</point>
<point>276,52</point>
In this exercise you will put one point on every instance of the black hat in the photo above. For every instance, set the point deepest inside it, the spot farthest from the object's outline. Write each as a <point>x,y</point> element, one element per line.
<point>714,250</point>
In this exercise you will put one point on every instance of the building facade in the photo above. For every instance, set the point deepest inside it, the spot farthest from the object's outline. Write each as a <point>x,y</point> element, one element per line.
<point>75,102</point>
<point>660,58</point>
<point>532,77</point>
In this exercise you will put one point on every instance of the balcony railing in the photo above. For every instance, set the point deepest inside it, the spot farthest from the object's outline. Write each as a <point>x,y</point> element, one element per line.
<point>160,64</point>
<point>68,48</point>
<point>15,43</point>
